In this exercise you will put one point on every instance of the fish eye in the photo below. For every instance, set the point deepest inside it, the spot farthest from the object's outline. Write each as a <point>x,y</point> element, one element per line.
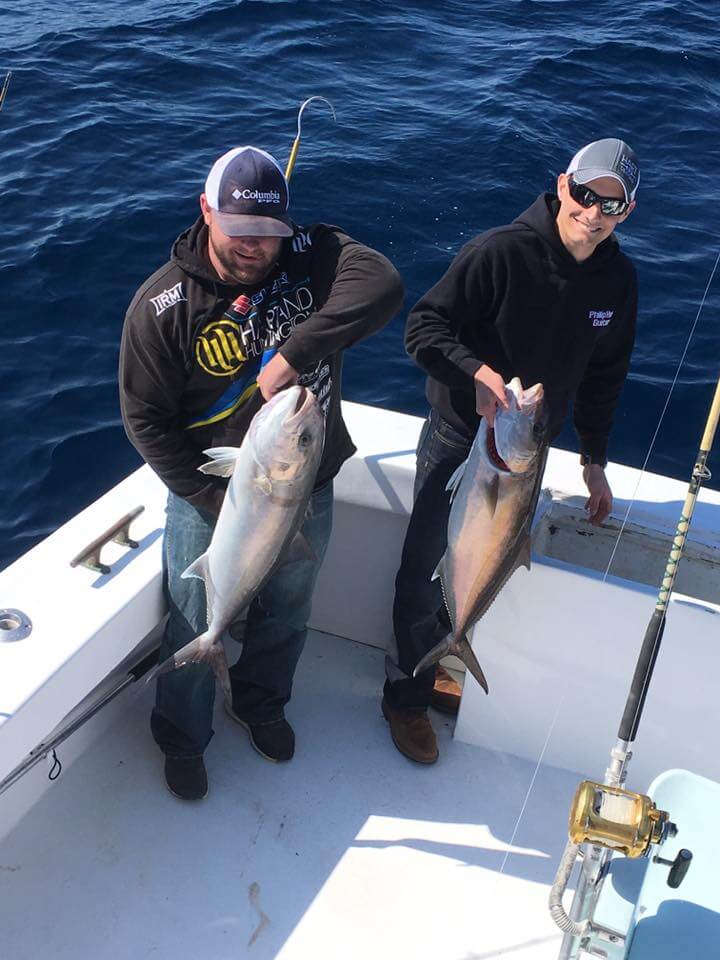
<point>304,439</point>
<point>538,429</point>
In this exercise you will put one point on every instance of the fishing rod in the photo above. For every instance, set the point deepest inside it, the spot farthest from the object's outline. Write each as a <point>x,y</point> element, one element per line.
<point>606,817</point>
<point>296,143</point>
<point>4,88</point>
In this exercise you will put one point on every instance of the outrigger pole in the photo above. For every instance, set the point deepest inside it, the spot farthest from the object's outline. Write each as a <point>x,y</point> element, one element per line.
<point>605,817</point>
<point>296,143</point>
<point>4,88</point>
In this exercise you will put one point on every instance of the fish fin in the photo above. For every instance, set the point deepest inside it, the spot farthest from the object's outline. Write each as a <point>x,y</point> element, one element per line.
<point>298,549</point>
<point>459,648</point>
<point>217,468</point>
<point>439,651</point>
<point>393,671</point>
<point>201,650</point>
<point>264,482</point>
<point>222,453</point>
<point>492,490</point>
<point>222,463</point>
<point>524,554</point>
<point>439,569</point>
<point>198,568</point>
<point>454,481</point>
<point>462,649</point>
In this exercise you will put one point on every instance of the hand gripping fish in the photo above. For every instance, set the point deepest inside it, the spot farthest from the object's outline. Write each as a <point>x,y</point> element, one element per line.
<point>494,495</point>
<point>272,476</point>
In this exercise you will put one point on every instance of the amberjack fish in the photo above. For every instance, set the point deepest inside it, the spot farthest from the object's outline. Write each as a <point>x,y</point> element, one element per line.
<point>272,475</point>
<point>494,495</point>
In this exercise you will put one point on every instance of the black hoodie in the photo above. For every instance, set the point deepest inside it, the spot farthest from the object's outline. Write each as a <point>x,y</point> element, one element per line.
<point>516,299</point>
<point>193,345</point>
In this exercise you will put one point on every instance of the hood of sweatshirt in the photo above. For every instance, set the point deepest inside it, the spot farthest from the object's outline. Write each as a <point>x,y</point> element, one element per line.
<point>541,216</point>
<point>189,253</point>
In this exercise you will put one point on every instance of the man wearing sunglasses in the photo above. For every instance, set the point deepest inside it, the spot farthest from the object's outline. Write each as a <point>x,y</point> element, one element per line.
<point>549,298</point>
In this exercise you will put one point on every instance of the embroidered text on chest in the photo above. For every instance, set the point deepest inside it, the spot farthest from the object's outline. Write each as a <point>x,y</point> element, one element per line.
<point>600,318</point>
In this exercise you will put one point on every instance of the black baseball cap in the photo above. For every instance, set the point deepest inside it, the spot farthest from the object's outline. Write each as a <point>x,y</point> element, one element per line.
<point>607,158</point>
<point>249,195</point>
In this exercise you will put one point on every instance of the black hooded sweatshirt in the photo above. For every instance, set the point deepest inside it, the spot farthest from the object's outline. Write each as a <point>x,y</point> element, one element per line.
<point>192,347</point>
<point>516,299</point>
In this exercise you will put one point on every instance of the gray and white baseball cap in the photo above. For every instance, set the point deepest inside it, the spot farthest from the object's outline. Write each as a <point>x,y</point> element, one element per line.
<point>248,192</point>
<point>607,158</point>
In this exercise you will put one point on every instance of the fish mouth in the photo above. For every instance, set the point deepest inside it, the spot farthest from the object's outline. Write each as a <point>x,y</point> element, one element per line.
<point>492,451</point>
<point>302,396</point>
<point>305,398</point>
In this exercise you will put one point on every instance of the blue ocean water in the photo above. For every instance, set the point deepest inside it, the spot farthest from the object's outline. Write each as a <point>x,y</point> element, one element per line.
<point>451,118</point>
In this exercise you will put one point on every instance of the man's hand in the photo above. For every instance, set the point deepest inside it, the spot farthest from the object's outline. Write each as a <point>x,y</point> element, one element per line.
<point>276,375</point>
<point>599,503</point>
<point>489,393</point>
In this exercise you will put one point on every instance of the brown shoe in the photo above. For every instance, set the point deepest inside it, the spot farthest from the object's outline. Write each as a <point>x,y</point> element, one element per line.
<point>412,733</point>
<point>446,692</point>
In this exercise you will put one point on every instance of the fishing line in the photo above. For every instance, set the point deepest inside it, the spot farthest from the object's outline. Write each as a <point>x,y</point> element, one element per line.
<point>532,782</point>
<point>662,416</point>
<point>4,88</point>
<point>563,697</point>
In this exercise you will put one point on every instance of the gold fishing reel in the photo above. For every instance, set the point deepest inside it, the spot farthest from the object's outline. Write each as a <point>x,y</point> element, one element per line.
<point>617,819</point>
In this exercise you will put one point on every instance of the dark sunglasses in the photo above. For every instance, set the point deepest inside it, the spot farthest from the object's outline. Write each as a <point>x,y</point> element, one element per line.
<point>587,198</point>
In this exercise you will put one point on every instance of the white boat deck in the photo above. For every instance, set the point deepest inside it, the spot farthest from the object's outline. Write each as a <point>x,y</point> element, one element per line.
<point>350,850</point>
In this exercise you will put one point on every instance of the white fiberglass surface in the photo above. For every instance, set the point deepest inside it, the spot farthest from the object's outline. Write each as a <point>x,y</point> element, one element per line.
<point>348,851</point>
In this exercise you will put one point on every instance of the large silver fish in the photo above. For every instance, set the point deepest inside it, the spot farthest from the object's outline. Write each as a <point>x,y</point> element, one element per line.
<point>494,494</point>
<point>272,476</point>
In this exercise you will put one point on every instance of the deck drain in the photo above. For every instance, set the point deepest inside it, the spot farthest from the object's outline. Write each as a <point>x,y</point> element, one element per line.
<point>14,625</point>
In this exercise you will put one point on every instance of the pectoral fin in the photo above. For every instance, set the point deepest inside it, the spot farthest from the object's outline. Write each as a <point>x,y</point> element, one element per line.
<point>454,481</point>
<point>264,483</point>
<point>222,461</point>
<point>492,489</point>
<point>222,453</point>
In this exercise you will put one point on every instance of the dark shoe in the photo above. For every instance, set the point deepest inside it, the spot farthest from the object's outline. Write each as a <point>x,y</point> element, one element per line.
<point>412,733</point>
<point>186,777</point>
<point>446,692</point>
<point>273,739</point>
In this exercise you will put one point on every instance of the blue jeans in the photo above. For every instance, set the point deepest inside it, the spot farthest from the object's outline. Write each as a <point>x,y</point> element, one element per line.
<point>274,636</point>
<point>420,619</point>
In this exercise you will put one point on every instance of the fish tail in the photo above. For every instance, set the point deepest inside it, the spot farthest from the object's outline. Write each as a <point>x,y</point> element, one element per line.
<point>462,649</point>
<point>439,651</point>
<point>459,647</point>
<point>201,650</point>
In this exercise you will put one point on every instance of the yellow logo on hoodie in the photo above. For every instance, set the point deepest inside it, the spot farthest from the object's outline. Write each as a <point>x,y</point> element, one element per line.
<point>218,348</point>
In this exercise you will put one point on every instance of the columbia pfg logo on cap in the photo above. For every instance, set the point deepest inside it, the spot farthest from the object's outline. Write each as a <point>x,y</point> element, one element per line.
<point>248,193</point>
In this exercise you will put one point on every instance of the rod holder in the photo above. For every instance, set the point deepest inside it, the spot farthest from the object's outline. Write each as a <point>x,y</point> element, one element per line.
<point>14,625</point>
